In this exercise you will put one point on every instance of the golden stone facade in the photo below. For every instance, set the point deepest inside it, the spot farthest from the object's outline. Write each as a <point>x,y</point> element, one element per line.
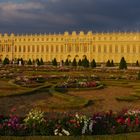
<point>98,46</point>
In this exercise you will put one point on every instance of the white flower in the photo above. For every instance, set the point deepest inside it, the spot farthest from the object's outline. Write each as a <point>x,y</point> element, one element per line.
<point>90,126</point>
<point>65,132</point>
<point>60,134</point>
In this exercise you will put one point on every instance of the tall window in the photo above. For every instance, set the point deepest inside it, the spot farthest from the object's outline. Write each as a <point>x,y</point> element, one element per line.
<point>122,49</point>
<point>47,48</point>
<point>128,49</point>
<point>69,48</point>
<point>62,48</point>
<point>99,48</point>
<point>37,48</point>
<point>33,48</point>
<point>42,48</point>
<point>57,49</point>
<point>134,49</point>
<point>19,48</point>
<point>28,48</point>
<point>24,49</point>
<point>94,48</point>
<point>76,48</point>
<point>85,48</point>
<point>51,48</point>
<point>105,49</point>
<point>15,48</point>
<point>116,48</point>
<point>110,48</point>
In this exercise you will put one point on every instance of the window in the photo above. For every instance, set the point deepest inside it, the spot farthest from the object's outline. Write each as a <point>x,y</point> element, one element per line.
<point>57,48</point>
<point>122,49</point>
<point>37,48</point>
<point>110,48</point>
<point>33,48</point>
<point>94,48</point>
<point>76,48</point>
<point>19,48</point>
<point>85,48</point>
<point>52,48</point>
<point>28,48</point>
<point>47,48</point>
<point>99,48</point>
<point>134,49</point>
<point>69,48</point>
<point>62,48</point>
<point>128,49</point>
<point>24,49</point>
<point>116,49</point>
<point>42,48</point>
<point>15,48</point>
<point>105,49</point>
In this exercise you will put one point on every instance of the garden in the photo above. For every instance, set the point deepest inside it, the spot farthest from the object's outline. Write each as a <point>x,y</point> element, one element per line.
<point>60,95</point>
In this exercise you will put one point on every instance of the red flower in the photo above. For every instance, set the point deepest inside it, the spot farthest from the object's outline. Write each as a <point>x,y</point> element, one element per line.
<point>137,121</point>
<point>72,121</point>
<point>128,121</point>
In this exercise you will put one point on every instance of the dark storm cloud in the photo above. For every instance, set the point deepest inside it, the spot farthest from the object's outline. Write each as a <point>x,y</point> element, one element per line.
<point>59,15</point>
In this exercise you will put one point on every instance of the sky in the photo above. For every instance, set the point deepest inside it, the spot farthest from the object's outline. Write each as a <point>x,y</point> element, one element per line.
<point>49,16</point>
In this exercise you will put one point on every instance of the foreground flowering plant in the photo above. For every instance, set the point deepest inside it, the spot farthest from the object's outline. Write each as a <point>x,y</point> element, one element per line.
<point>37,123</point>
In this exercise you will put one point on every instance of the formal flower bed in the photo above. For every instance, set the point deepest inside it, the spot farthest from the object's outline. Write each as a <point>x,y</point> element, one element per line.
<point>37,123</point>
<point>78,83</point>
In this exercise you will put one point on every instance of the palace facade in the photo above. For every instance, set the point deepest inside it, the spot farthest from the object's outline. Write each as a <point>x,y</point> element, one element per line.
<point>98,46</point>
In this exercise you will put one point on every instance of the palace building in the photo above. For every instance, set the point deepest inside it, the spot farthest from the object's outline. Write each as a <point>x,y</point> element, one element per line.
<point>98,46</point>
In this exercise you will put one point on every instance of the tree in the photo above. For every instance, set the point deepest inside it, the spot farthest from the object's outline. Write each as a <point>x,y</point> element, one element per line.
<point>29,62</point>
<point>41,62</point>
<point>54,62</point>
<point>85,62</point>
<point>37,62</point>
<point>108,64</point>
<point>112,63</point>
<point>93,63</point>
<point>139,75</point>
<point>74,63</point>
<point>80,62</point>
<point>6,61</point>
<point>123,64</point>
<point>67,62</point>
<point>22,62</point>
<point>137,63</point>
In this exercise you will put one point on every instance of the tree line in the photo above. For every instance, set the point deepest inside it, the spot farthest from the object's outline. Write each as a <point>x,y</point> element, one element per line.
<point>81,62</point>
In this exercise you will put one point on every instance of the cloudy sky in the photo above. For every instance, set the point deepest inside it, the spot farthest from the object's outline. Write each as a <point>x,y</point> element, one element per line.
<point>40,16</point>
